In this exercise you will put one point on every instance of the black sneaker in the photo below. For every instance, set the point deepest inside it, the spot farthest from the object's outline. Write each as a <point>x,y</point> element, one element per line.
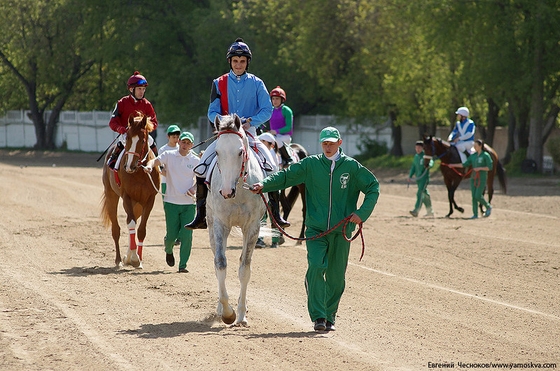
<point>330,326</point>
<point>170,259</point>
<point>320,325</point>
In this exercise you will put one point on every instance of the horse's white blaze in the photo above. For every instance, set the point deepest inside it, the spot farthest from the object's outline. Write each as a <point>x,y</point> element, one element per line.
<point>130,156</point>
<point>224,211</point>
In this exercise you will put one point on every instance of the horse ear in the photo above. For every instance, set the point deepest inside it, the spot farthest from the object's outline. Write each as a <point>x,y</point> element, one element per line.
<point>237,121</point>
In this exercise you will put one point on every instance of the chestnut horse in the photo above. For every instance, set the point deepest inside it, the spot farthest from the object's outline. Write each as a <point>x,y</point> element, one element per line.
<point>438,149</point>
<point>134,186</point>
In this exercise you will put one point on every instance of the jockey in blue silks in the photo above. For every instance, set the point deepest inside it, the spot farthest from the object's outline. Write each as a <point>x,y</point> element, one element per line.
<point>462,135</point>
<point>246,95</point>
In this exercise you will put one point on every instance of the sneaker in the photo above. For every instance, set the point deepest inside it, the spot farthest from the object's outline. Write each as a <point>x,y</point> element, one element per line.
<point>320,325</point>
<point>474,217</point>
<point>170,259</point>
<point>429,214</point>
<point>183,270</point>
<point>330,326</point>
<point>274,245</point>
<point>488,212</point>
<point>260,243</point>
<point>414,213</point>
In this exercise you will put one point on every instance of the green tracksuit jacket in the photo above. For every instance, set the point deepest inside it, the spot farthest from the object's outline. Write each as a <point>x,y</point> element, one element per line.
<point>332,191</point>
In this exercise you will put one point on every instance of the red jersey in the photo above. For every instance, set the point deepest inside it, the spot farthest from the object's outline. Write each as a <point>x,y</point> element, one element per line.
<point>127,106</point>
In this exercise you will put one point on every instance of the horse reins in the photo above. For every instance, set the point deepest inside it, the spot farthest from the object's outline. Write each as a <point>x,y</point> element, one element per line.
<point>344,222</point>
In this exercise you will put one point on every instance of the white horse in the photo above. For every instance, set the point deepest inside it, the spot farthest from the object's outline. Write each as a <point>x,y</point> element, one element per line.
<point>228,205</point>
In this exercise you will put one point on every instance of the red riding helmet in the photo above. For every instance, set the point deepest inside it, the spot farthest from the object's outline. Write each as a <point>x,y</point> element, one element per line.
<point>278,92</point>
<point>137,80</point>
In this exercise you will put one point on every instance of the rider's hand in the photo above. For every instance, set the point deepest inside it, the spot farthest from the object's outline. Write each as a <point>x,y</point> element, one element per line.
<point>147,169</point>
<point>246,123</point>
<point>122,129</point>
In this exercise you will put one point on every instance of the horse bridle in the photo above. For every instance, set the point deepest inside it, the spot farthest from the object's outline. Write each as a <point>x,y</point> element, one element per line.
<point>144,154</point>
<point>243,172</point>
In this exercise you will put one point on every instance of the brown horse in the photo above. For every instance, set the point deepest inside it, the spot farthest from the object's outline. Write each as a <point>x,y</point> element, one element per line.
<point>288,200</point>
<point>134,186</point>
<point>437,149</point>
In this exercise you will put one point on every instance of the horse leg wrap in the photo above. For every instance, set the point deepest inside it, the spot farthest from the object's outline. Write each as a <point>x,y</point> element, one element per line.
<point>132,238</point>
<point>140,247</point>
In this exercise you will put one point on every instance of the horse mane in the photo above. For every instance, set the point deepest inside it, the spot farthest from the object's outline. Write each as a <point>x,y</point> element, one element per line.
<point>136,119</point>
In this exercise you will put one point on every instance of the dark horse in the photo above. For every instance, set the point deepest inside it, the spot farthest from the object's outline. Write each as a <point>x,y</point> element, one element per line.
<point>437,149</point>
<point>288,200</point>
<point>134,186</point>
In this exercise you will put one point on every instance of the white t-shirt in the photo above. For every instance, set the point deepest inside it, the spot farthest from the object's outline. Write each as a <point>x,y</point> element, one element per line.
<point>166,147</point>
<point>180,176</point>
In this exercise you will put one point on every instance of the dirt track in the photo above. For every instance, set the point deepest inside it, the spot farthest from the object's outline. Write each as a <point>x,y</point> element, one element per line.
<point>428,290</point>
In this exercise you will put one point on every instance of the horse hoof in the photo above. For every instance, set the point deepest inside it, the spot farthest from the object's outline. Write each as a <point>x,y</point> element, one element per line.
<point>139,266</point>
<point>229,320</point>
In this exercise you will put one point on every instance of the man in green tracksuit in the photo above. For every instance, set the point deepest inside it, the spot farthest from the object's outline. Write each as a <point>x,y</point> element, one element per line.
<point>421,174</point>
<point>333,184</point>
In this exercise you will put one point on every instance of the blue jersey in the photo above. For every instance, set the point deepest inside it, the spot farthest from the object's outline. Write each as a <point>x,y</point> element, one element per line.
<point>464,130</point>
<point>247,97</point>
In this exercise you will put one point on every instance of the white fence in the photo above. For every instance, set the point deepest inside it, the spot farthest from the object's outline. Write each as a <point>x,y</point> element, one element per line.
<point>90,132</point>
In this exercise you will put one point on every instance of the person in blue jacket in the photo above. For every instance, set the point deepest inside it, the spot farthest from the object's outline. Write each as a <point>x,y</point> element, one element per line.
<point>242,93</point>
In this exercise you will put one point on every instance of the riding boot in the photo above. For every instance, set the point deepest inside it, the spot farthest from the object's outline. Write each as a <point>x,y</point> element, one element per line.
<point>154,149</point>
<point>199,221</point>
<point>115,155</point>
<point>286,158</point>
<point>274,202</point>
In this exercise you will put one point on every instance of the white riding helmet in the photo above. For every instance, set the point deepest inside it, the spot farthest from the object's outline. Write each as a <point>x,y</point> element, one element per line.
<point>463,111</point>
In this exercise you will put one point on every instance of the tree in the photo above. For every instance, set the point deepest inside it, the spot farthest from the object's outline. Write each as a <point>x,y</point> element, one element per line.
<point>41,45</point>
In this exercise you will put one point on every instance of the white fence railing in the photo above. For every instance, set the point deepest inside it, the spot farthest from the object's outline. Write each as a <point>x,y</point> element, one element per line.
<point>89,131</point>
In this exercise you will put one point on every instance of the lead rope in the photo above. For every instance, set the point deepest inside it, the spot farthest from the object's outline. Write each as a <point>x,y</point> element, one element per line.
<point>344,222</point>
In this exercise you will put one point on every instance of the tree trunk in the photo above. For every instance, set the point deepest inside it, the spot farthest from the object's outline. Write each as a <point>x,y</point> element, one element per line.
<point>492,120</point>
<point>535,148</point>
<point>396,133</point>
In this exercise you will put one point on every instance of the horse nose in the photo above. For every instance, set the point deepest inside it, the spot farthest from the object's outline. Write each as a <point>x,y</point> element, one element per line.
<point>225,195</point>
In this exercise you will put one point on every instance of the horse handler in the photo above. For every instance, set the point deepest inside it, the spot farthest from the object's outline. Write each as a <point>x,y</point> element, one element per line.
<point>333,184</point>
<point>422,176</point>
<point>178,202</point>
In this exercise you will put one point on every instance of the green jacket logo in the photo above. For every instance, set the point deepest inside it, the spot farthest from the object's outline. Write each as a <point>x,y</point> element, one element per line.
<point>344,178</point>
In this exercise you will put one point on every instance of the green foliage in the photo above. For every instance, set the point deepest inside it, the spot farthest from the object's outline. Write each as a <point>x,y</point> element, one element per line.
<point>370,148</point>
<point>553,146</point>
<point>389,162</point>
<point>513,168</point>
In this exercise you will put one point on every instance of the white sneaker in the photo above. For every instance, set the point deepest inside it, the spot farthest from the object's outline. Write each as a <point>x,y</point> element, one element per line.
<point>429,214</point>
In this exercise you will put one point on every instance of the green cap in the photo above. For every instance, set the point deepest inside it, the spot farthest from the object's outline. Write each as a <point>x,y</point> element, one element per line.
<point>173,129</point>
<point>187,135</point>
<point>329,134</point>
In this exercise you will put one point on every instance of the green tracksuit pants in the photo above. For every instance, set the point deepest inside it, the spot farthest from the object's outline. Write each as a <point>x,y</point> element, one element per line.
<point>478,184</point>
<point>176,216</point>
<point>327,259</point>
<point>422,195</point>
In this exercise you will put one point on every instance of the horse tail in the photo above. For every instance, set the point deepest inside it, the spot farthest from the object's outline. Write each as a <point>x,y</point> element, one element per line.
<point>502,176</point>
<point>105,220</point>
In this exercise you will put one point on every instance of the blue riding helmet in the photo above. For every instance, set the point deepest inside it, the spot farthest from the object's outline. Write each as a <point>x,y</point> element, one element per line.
<point>240,49</point>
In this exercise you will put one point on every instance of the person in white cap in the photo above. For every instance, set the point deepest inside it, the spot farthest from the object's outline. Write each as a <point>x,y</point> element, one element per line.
<point>462,135</point>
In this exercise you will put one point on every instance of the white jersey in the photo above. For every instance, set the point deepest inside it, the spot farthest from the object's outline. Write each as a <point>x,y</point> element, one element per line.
<point>166,147</point>
<point>180,176</point>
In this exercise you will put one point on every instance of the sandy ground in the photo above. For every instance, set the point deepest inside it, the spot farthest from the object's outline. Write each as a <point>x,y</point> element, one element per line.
<point>428,290</point>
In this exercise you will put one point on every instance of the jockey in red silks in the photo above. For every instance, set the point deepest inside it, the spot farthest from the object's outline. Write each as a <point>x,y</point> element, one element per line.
<point>242,93</point>
<point>131,104</point>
